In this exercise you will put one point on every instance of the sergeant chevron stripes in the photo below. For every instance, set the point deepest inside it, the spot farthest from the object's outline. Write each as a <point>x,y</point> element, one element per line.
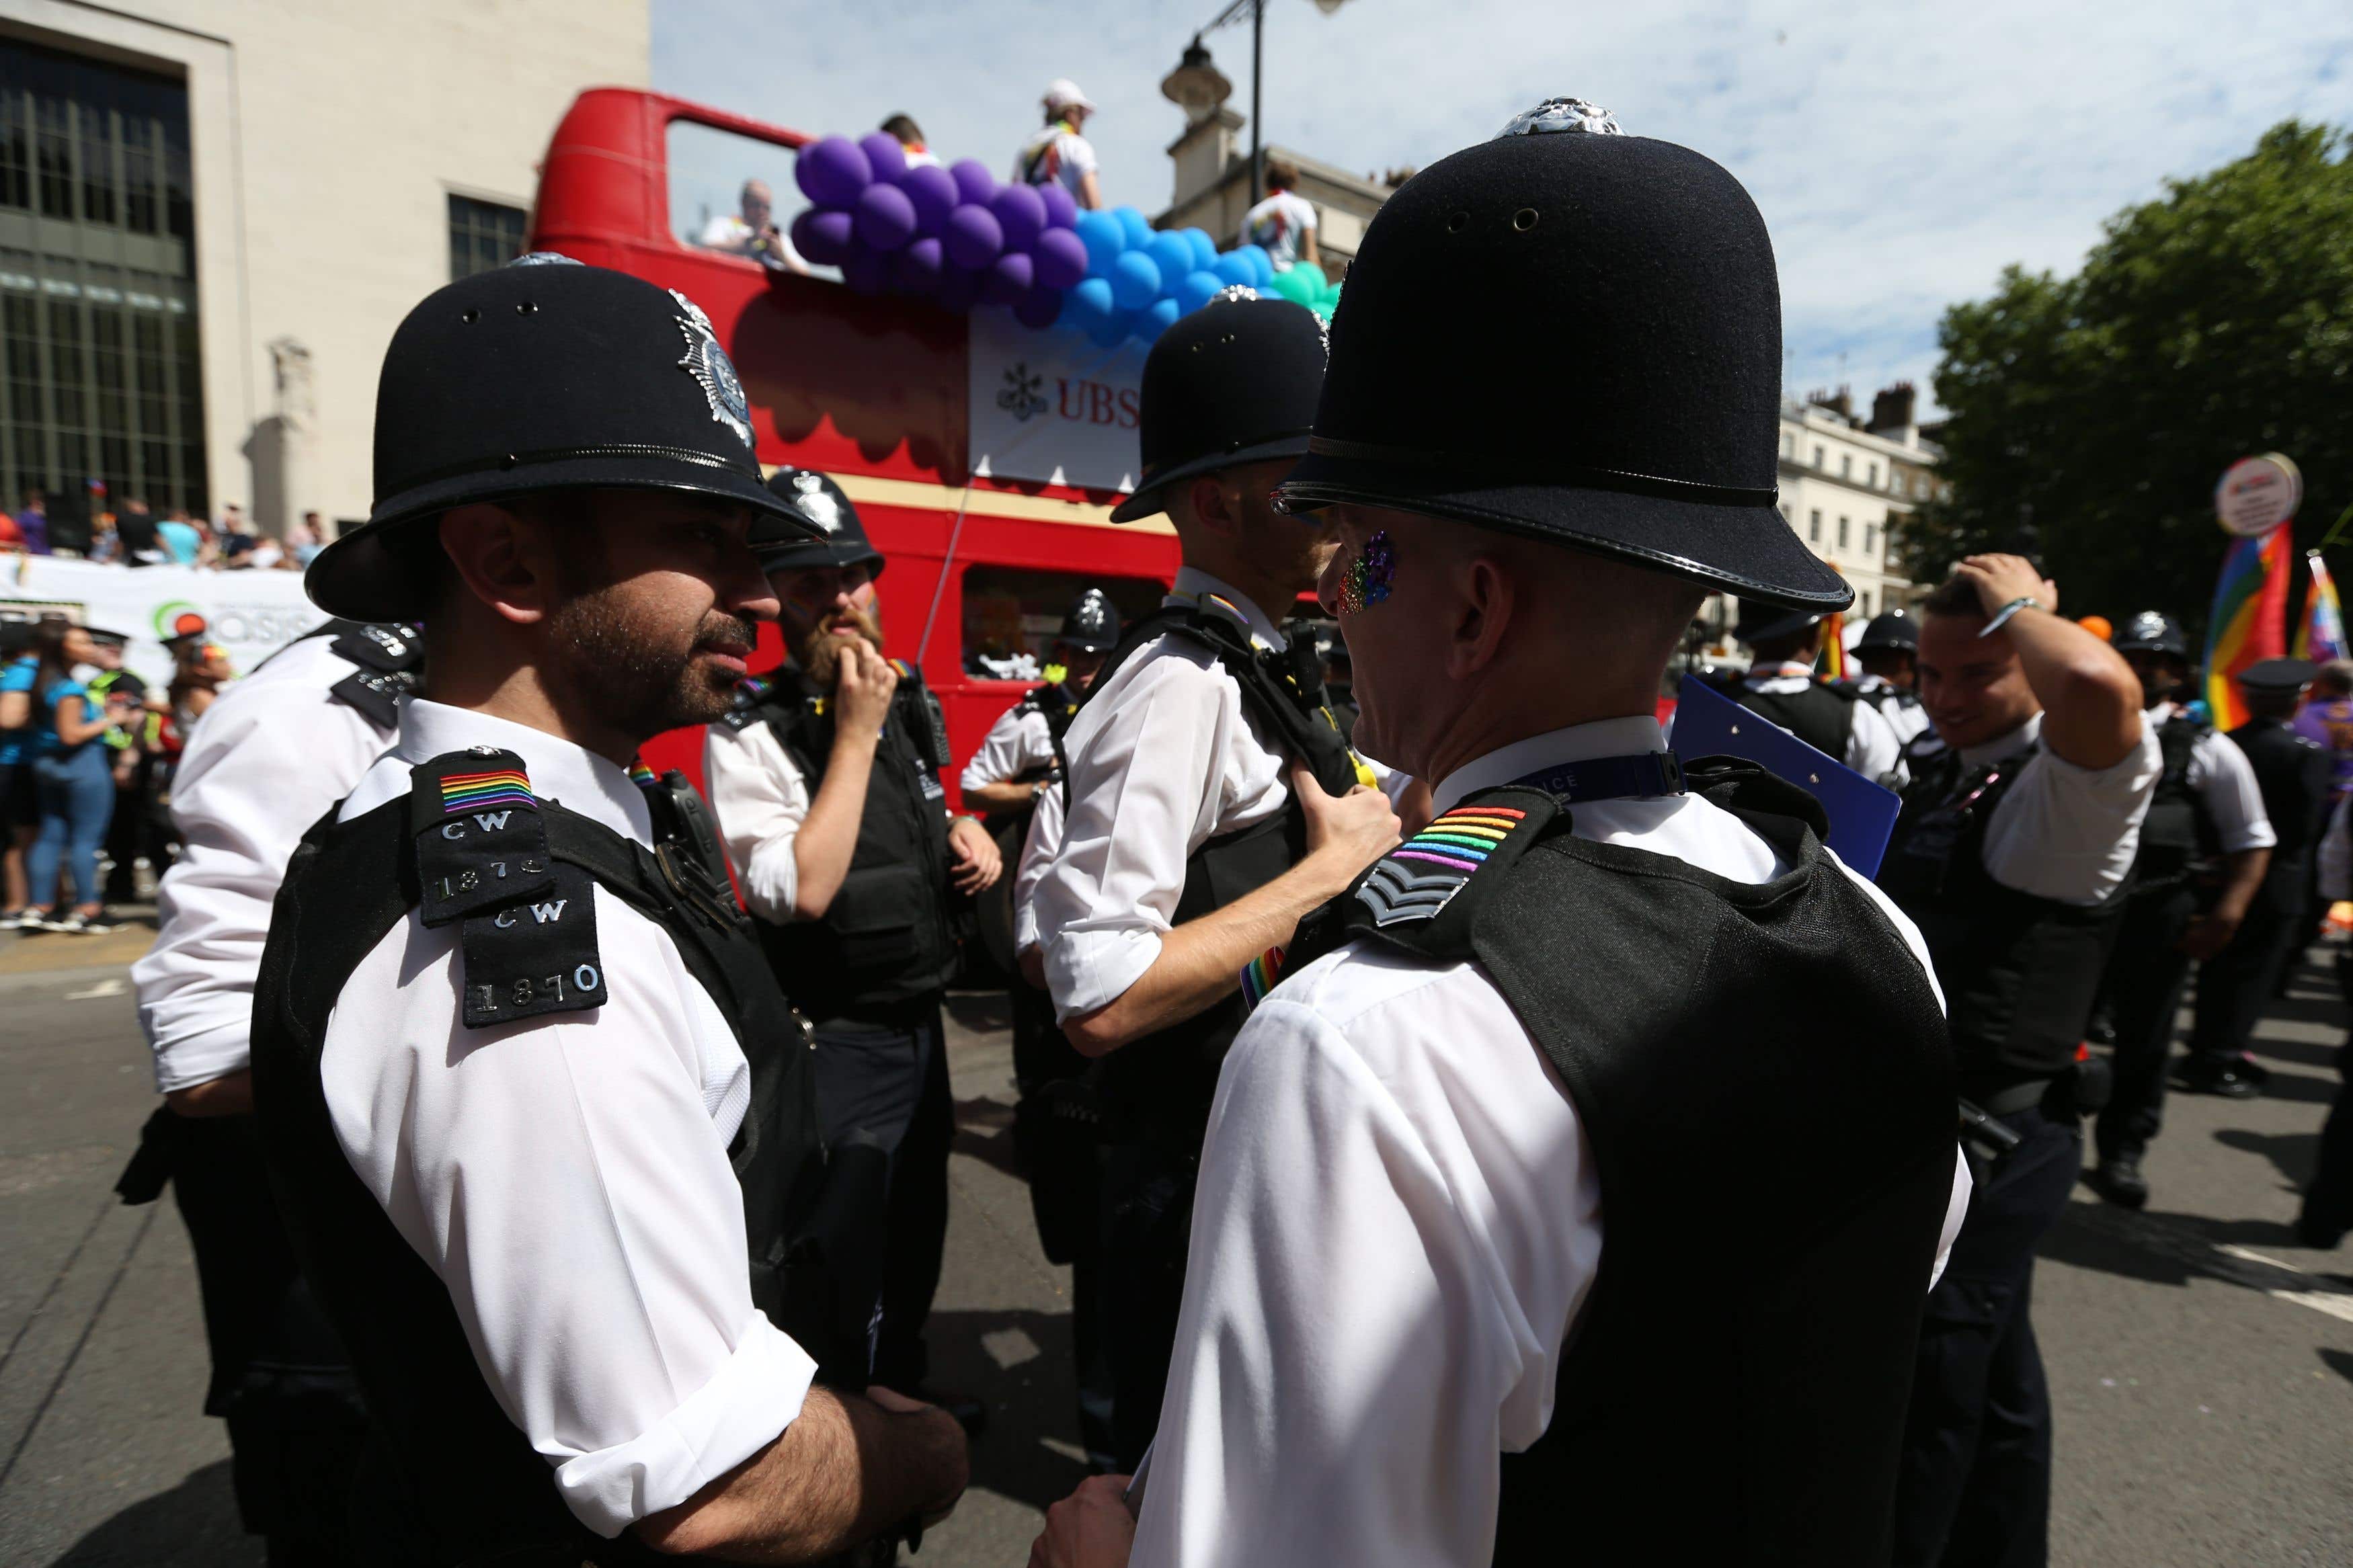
<point>1417,879</point>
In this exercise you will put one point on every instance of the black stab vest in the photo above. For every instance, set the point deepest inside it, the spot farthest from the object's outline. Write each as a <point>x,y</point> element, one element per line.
<point>1158,1088</point>
<point>1774,1175</point>
<point>885,939</point>
<point>2177,836</point>
<point>1822,716</point>
<point>457,1481</point>
<point>2020,972</point>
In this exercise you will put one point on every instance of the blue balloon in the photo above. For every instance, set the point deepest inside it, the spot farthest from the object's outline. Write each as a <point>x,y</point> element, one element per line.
<point>1234,270</point>
<point>1205,249</point>
<point>1110,330</point>
<point>1193,289</point>
<point>1091,299</point>
<point>1171,253</point>
<point>1104,240</point>
<point>1135,225</point>
<point>1134,280</point>
<point>1260,263</point>
<point>1156,319</point>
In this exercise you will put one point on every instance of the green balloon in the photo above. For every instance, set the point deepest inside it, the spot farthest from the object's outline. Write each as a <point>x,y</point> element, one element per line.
<point>1315,277</point>
<point>1295,286</point>
<point>1332,294</point>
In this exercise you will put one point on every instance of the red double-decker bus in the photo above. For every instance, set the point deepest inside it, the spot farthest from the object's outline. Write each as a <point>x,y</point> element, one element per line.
<point>874,391</point>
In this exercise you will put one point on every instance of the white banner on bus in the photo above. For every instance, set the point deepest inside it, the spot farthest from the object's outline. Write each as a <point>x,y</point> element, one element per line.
<point>251,614</point>
<point>1050,406</point>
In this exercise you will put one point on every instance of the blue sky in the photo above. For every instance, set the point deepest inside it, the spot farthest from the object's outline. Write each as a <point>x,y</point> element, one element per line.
<point>1901,154</point>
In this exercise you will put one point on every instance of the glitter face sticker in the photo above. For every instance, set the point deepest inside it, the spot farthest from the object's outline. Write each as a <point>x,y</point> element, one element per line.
<point>1370,575</point>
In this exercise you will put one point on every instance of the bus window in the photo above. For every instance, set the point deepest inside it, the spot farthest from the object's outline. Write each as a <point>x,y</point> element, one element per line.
<point>1011,613</point>
<point>718,182</point>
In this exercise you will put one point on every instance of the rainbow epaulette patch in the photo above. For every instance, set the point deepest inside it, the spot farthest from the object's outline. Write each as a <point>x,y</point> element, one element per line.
<point>1421,877</point>
<point>493,787</point>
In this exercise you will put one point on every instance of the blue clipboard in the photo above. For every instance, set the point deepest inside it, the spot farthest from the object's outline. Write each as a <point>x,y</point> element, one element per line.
<point>1862,811</point>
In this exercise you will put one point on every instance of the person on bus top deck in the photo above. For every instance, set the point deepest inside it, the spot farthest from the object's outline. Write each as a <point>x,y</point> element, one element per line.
<point>2204,847</point>
<point>538,1118</point>
<point>1828,716</point>
<point>1060,154</point>
<point>825,780</point>
<point>1209,799</point>
<point>2013,854</point>
<point>1886,652</point>
<point>275,753</point>
<point>1619,1125</point>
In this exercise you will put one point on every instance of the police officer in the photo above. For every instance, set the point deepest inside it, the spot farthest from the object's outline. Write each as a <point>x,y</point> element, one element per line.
<point>1887,651</point>
<point>824,779</point>
<point>1211,800</point>
<point>2204,847</point>
<point>1020,758</point>
<point>2328,1210</point>
<point>537,1116</point>
<point>1552,1168</point>
<point>2234,983</point>
<point>1826,715</point>
<point>275,753</point>
<point>2013,853</point>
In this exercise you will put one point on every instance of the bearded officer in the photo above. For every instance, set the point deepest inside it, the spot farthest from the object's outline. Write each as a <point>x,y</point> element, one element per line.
<point>275,753</point>
<point>1211,800</point>
<point>1888,654</point>
<point>1476,1182</point>
<point>539,1119</point>
<point>824,779</point>
<point>1826,715</point>
<point>2204,847</point>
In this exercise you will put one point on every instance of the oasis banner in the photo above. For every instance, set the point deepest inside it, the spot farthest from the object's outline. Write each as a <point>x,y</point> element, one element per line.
<point>249,613</point>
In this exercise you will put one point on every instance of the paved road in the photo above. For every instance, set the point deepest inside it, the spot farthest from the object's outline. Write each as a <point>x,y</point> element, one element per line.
<point>2201,1363</point>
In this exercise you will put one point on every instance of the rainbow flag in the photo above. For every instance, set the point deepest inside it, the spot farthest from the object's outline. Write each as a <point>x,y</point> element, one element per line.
<point>2248,621</point>
<point>2320,635</point>
<point>1833,659</point>
<point>503,786</point>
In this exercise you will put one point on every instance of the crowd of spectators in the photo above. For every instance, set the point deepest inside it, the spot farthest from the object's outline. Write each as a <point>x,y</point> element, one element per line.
<point>135,536</point>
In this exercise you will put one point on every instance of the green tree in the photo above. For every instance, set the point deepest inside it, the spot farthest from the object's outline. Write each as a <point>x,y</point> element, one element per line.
<point>2092,415</point>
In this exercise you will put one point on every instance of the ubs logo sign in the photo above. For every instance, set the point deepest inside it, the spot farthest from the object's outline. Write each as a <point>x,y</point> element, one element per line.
<point>1020,397</point>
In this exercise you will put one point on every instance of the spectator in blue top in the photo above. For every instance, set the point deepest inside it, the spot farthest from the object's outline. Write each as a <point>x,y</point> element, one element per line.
<point>33,523</point>
<point>72,779</point>
<point>179,538</point>
<point>20,813</point>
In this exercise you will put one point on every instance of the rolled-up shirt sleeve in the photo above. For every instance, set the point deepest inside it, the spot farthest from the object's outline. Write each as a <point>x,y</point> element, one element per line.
<point>1016,743</point>
<point>566,1178</point>
<point>1039,847</point>
<point>760,798</point>
<point>2222,775</point>
<point>2070,832</point>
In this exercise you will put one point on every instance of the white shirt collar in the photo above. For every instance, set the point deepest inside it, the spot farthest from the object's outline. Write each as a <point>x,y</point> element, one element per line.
<point>1792,666</point>
<point>2003,746</point>
<point>560,771</point>
<point>1194,587</point>
<point>1631,736</point>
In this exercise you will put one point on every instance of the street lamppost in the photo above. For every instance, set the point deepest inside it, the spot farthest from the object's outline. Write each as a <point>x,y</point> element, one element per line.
<point>1256,11</point>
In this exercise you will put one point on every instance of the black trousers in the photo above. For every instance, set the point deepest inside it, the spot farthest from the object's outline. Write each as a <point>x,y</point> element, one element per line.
<point>2236,984</point>
<point>2144,984</point>
<point>1147,1223</point>
<point>883,1078</point>
<point>1974,1487</point>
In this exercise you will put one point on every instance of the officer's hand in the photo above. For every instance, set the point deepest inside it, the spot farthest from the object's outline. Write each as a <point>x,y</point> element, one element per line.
<point>1089,1528</point>
<point>974,860</point>
<point>1999,579</point>
<point>2208,934</point>
<point>862,688</point>
<point>949,1439</point>
<point>1344,832</point>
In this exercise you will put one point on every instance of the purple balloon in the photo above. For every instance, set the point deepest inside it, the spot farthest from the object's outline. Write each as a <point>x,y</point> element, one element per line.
<point>821,237</point>
<point>934,190</point>
<point>885,156</point>
<point>1021,213</point>
<point>1061,207</point>
<point>959,288</point>
<point>973,237</point>
<point>1009,280</point>
<point>974,182</point>
<point>916,269</point>
<point>865,270</point>
<point>1061,257</point>
<point>886,218</point>
<point>1038,309</point>
<point>831,171</point>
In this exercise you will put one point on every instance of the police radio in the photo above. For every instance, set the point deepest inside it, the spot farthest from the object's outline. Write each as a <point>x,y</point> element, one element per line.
<point>687,848</point>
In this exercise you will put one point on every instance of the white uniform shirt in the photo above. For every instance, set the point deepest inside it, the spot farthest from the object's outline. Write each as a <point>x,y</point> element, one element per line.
<point>2063,832</point>
<point>567,1177</point>
<point>1906,720</point>
<point>1163,758</point>
<point>761,797</point>
<point>270,756</point>
<point>1873,749</point>
<point>1397,1224</point>
<point>2224,780</point>
<point>1038,851</point>
<point>1017,742</point>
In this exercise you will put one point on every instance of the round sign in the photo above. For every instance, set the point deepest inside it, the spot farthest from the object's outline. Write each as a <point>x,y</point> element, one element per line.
<point>2258,494</point>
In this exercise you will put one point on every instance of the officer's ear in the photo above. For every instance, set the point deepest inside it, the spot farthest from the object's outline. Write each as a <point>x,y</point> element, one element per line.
<point>1213,508</point>
<point>1486,600</point>
<point>500,556</point>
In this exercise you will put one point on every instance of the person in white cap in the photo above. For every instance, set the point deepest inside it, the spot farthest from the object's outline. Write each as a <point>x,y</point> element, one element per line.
<point>1059,154</point>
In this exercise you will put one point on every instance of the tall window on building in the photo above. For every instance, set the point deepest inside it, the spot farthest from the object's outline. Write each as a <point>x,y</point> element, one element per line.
<point>482,235</point>
<point>1846,465</point>
<point>1866,601</point>
<point>101,381</point>
<point>1814,525</point>
<point>1841,544</point>
<point>1817,457</point>
<point>1788,444</point>
<point>1870,537</point>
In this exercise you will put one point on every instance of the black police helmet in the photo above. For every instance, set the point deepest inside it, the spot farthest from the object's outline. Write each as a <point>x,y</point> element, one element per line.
<point>1768,623</point>
<point>541,375</point>
<point>1093,625</point>
<point>2153,631</point>
<point>1573,334</point>
<point>1893,632</point>
<point>1232,383</point>
<point>824,530</point>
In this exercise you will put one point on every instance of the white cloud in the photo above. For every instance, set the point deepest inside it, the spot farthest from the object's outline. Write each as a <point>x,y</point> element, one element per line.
<point>1901,154</point>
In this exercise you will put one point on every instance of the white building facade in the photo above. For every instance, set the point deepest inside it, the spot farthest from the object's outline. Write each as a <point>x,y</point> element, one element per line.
<point>214,213</point>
